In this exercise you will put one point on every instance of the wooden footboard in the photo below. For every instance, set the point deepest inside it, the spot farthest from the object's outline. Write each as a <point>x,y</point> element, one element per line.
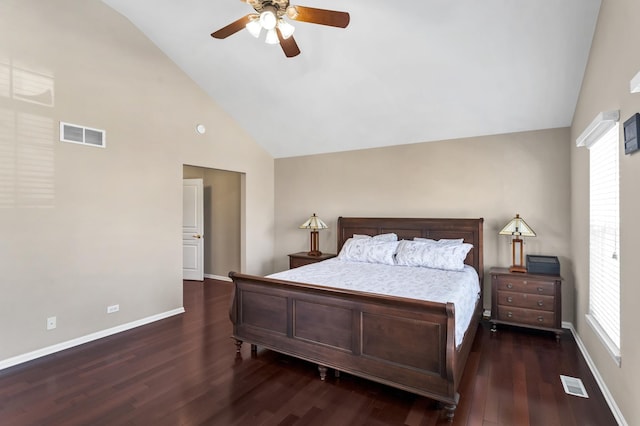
<point>404,343</point>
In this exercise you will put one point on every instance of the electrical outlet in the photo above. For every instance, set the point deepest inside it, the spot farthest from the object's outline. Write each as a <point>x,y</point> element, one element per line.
<point>51,323</point>
<point>113,308</point>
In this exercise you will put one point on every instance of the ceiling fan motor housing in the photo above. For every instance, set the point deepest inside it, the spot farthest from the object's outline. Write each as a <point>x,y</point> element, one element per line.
<point>278,6</point>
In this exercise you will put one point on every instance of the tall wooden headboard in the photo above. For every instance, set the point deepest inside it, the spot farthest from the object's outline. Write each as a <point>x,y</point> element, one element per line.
<point>408,228</point>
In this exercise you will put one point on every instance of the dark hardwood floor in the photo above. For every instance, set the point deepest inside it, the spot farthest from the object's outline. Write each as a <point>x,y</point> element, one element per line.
<point>183,371</point>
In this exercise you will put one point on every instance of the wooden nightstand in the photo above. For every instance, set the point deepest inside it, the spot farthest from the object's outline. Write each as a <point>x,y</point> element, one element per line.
<point>526,300</point>
<point>302,258</point>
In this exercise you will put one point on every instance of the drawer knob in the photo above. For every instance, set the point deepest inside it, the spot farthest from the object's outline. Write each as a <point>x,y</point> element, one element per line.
<point>540,303</point>
<point>525,282</point>
<point>510,314</point>
<point>540,289</point>
<point>509,285</point>
<point>540,319</point>
<point>510,299</point>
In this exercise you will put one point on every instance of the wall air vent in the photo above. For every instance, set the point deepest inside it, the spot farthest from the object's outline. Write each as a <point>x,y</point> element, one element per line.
<point>82,135</point>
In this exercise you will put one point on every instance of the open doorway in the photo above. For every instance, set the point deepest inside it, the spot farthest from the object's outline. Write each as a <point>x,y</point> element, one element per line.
<point>223,203</point>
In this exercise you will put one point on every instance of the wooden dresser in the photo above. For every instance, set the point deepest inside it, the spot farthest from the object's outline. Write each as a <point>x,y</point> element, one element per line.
<point>302,258</point>
<point>526,300</point>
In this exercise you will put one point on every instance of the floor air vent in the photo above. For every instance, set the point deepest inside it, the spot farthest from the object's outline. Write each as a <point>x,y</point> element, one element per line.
<point>573,386</point>
<point>82,135</point>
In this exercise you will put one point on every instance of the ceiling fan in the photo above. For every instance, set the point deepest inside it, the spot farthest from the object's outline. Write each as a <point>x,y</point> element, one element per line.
<point>270,16</point>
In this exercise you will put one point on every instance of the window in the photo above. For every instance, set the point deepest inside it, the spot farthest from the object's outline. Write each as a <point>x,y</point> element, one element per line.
<point>604,241</point>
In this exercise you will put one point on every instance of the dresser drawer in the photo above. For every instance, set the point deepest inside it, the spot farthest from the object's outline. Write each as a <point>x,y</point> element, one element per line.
<point>297,262</point>
<point>532,286</point>
<point>526,300</point>
<point>302,258</point>
<point>527,316</point>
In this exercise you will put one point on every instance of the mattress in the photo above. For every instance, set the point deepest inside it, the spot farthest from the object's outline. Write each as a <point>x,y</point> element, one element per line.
<point>462,288</point>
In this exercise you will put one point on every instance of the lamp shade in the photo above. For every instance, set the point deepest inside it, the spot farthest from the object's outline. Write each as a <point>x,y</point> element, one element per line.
<point>254,27</point>
<point>518,227</point>
<point>286,29</point>
<point>314,222</point>
<point>268,18</point>
<point>272,37</point>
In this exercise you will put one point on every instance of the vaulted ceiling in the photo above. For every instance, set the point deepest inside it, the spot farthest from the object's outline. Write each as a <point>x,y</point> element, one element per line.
<point>401,72</point>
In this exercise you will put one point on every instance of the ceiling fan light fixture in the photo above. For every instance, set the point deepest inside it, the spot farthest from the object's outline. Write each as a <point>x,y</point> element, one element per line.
<point>254,27</point>
<point>286,29</point>
<point>272,37</point>
<point>268,18</point>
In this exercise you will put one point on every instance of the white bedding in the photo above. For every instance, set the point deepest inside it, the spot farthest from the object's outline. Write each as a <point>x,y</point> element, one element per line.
<point>462,288</point>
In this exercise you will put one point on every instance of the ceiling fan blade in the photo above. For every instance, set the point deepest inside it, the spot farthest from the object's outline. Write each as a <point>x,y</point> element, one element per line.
<point>321,16</point>
<point>232,28</point>
<point>289,45</point>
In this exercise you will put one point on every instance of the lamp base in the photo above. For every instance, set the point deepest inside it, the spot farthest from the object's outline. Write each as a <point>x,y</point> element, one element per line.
<point>314,244</point>
<point>517,267</point>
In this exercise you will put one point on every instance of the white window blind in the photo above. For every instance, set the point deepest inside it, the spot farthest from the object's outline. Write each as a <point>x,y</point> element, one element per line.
<point>604,241</point>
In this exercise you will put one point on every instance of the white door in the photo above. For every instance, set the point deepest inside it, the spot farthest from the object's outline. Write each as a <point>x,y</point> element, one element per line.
<point>192,230</point>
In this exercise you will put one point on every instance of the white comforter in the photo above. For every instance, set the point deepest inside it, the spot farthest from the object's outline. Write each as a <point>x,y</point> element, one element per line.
<point>462,288</point>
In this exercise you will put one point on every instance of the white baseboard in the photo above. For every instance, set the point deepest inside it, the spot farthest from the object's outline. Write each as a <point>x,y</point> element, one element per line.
<point>10,362</point>
<point>217,277</point>
<point>596,374</point>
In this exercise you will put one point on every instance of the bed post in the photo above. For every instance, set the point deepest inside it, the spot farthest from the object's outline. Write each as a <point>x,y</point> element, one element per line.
<point>233,315</point>
<point>323,371</point>
<point>450,409</point>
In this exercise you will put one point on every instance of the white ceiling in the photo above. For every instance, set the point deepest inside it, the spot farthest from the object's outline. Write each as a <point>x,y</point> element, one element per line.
<point>401,72</point>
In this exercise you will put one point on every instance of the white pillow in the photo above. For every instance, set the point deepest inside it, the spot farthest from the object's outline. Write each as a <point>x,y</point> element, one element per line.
<point>441,241</point>
<point>380,237</point>
<point>368,250</point>
<point>448,257</point>
<point>386,237</point>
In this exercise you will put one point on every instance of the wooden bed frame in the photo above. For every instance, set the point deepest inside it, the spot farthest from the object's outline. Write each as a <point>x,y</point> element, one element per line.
<point>404,343</point>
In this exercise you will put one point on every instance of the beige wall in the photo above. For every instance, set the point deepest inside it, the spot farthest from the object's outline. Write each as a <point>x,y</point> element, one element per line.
<point>222,219</point>
<point>80,227</point>
<point>613,61</point>
<point>493,177</point>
